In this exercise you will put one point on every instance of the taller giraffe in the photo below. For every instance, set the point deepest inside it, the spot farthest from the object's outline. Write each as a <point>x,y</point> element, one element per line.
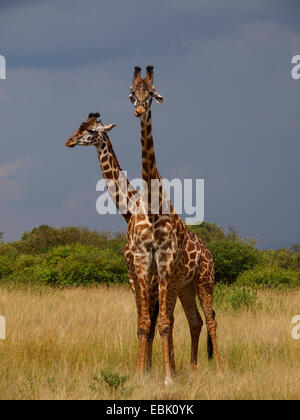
<point>182,260</point>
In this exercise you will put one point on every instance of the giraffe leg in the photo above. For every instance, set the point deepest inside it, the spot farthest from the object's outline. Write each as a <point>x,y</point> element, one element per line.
<point>153,318</point>
<point>154,310</point>
<point>171,350</point>
<point>187,296</point>
<point>205,288</point>
<point>167,301</point>
<point>143,315</point>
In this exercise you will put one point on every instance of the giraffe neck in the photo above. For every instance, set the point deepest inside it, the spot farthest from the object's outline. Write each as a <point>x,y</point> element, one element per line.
<point>150,171</point>
<point>149,166</point>
<point>112,173</point>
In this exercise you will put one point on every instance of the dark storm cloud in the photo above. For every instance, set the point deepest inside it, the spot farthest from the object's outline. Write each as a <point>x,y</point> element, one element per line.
<point>230,114</point>
<point>74,33</point>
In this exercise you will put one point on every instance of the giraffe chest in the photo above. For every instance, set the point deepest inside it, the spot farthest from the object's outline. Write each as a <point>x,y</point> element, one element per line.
<point>145,236</point>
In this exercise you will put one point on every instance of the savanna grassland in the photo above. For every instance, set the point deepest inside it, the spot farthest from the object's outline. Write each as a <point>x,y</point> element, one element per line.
<point>80,343</point>
<point>71,321</point>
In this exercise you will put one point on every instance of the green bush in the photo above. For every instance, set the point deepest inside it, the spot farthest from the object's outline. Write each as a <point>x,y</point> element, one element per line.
<point>75,256</point>
<point>44,238</point>
<point>208,231</point>
<point>269,277</point>
<point>7,265</point>
<point>232,257</point>
<point>243,298</point>
<point>235,297</point>
<point>113,379</point>
<point>70,265</point>
<point>287,258</point>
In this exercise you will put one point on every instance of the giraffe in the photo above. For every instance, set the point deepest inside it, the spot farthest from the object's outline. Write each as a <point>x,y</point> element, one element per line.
<point>181,260</point>
<point>94,133</point>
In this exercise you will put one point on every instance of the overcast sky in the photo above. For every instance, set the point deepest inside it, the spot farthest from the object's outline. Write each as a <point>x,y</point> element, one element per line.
<point>231,113</point>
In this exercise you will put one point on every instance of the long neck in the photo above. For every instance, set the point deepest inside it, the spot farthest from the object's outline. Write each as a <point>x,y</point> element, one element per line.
<point>150,172</point>
<point>122,191</point>
<point>149,167</point>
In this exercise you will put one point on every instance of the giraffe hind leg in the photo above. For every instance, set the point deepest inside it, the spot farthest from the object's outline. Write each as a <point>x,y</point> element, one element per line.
<point>205,287</point>
<point>210,349</point>
<point>187,296</point>
<point>153,318</point>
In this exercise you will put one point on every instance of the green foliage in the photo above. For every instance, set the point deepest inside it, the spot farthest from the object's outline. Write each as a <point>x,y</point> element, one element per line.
<point>235,297</point>
<point>243,298</point>
<point>6,266</point>
<point>43,238</point>
<point>208,231</point>
<point>98,259</point>
<point>269,277</point>
<point>283,258</point>
<point>232,257</point>
<point>113,379</point>
<point>72,256</point>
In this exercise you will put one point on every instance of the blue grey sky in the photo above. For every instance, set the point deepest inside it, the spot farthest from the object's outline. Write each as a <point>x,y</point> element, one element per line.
<point>231,113</point>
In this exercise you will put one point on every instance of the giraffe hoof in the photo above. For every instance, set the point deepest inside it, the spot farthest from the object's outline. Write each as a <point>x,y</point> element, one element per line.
<point>140,380</point>
<point>193,367</point>
<point>168,381</point>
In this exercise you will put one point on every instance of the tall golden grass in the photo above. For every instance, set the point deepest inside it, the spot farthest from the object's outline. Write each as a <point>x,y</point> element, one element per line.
<point>59,341</point>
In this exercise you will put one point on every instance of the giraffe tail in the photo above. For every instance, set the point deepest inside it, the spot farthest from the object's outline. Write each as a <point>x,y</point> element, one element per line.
<point>210,349</point>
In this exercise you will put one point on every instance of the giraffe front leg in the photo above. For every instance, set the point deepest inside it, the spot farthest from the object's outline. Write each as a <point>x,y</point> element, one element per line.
<point>154,309</point>
<point>167,302</point>
<point>143,316</point>
<point>153,317</point>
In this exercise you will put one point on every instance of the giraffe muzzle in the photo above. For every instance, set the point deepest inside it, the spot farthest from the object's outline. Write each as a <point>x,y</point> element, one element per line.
<point>71,143</point>
<point>140,110</point>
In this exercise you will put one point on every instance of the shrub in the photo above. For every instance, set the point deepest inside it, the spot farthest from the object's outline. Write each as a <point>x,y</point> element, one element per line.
<point>73,256</point>
<point>70,265</point>
<point>7,265</point>
<point>269,277</point>
<point>208,231</point>
<point>284,258</point>
<point>113,379</point>
<point>243,298</point>
<point>84,265</point>
<point>44,238</point>
<point>232,257</point>
<point>235,297</point>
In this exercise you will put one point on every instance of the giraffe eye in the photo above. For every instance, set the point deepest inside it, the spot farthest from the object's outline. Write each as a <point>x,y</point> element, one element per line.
<point>132,97</point>
<point>92,131</point>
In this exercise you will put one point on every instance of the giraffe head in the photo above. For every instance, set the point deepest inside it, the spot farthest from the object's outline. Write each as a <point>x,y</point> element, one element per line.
<point>143,91</point>
<point>90,133</point>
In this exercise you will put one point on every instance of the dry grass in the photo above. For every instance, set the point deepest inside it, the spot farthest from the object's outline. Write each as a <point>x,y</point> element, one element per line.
<point>59,341</point>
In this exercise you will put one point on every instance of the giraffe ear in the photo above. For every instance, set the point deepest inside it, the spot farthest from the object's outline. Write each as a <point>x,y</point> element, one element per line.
<point>137,73</point>
<point>108,127</point>
<point>159,99</point>
<point>93,116</point>
<point>149,73</point>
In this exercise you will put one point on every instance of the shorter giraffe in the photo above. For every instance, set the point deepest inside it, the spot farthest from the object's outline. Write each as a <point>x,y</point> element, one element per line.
<point>93,132</point>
